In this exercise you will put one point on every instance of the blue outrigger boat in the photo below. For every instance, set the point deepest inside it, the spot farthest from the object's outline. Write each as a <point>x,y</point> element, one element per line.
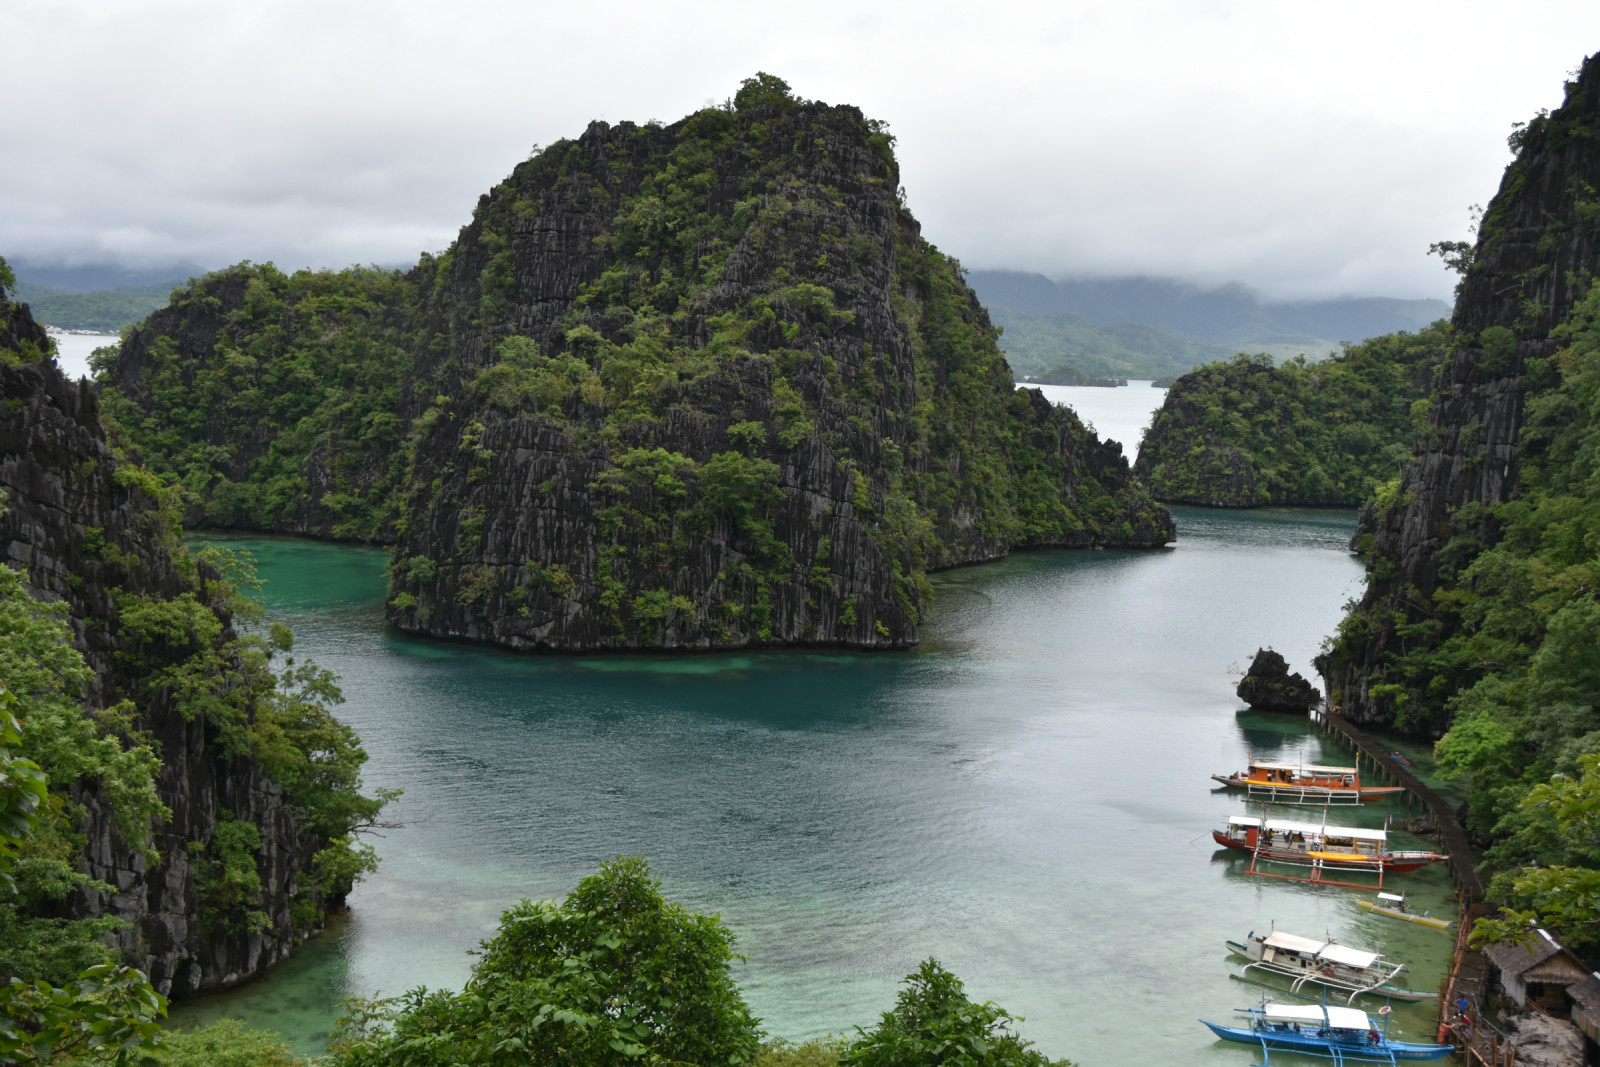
<point>1327,1031</point>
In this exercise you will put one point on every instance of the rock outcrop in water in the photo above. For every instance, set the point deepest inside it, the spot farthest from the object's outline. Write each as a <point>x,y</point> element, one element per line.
<point>1537,251</point>
<point>684,387</point>
<point>1268,685</point>
<point>79,523</point>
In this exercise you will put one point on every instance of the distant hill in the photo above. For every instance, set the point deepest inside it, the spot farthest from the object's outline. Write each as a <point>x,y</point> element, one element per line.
<point>98,277</point>
<point>1037,343</point>
<point>99,296</point>
<point>107,311</point>
<point>1231,317</point>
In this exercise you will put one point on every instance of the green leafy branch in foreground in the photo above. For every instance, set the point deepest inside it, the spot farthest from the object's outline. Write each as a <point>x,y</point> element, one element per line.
<point>109,1010</point>
<point>617,975</point>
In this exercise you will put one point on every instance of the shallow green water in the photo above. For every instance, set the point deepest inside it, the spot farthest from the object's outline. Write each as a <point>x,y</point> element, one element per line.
<point>1025,796</point>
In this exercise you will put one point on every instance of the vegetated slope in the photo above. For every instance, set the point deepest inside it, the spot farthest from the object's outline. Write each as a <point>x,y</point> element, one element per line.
<point>706,386</point>
<point>1480,619</point>
<point>274,399</point>
<point>107,311</point>
<point>693,386</point>
<point>1036,344</point>
<point>201,811</point>
<point>1245,433</point>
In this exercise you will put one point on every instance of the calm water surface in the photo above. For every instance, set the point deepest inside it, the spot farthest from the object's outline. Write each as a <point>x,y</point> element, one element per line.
<point>1025,796</point>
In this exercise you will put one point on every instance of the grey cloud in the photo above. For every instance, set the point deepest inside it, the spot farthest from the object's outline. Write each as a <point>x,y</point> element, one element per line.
<point>1305,153</point>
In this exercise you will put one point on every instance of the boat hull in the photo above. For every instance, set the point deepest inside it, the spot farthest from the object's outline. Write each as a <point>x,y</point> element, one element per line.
<point>1410,917</point>
<point>1356,1046</point>
<point>1387,861</point>
<point>1366,792</point>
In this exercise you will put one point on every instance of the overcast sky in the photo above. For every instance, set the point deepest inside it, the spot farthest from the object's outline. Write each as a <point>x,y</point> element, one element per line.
<point>1306,150</point>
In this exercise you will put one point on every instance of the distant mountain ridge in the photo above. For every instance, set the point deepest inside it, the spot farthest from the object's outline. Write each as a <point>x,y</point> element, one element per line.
<point>99,277</point>
<point>98,296</point>
<point>1232,316</point>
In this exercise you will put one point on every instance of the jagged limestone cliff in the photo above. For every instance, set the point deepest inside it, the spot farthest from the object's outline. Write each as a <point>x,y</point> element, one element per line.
<point>1537,252</point>
<point>93,532</point>
<point>692,386</point>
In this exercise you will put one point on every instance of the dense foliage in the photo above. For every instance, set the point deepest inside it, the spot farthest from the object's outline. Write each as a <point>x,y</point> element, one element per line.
<point>616,974</point>
<point>613,974</point>
<point>934,1023</point>
<point>97,1011</point>
<point>1504,650</point>
<point>1246,433</point>
<point>289,404</point>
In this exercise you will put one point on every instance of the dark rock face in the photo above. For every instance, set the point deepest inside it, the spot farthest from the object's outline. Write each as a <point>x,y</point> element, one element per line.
<point>1536,245</point>
<point>60,479</point>
<point>1268,686</point>
<point>512,534</point>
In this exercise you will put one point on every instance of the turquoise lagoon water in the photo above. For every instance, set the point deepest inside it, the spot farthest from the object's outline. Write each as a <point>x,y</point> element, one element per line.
<point>1025,796</point>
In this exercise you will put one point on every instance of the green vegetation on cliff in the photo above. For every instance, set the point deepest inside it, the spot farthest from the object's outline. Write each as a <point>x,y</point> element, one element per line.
<point>1506,652</point>
<point>749,404</point>
<point>272,398</point>
<point>1245,433</point>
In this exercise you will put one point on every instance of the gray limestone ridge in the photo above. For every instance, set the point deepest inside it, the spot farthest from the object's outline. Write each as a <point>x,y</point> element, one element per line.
<point>1538,247</point>
<point>59,477</point>
<point>868,496</point>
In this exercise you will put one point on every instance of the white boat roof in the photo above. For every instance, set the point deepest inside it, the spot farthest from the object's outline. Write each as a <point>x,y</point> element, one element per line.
<point>1337,1017</point>
<point>1287,826</point>
<point>1398,898</point>
<point>1315,768</point>
<point>1350,957</point>
<point>1293,942</point>
<point>1327,950</point>
<point>1243,820</point>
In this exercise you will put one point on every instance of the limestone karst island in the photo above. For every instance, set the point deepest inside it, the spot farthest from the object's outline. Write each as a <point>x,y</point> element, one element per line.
<point>693,619</point>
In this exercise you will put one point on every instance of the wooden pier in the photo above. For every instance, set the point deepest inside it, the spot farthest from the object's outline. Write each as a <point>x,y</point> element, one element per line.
<point>1463,862</point>
<point>1480,1043</point>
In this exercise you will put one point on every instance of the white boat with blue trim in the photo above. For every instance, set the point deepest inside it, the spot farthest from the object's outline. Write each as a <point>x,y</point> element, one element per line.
<point>1327,1031</point>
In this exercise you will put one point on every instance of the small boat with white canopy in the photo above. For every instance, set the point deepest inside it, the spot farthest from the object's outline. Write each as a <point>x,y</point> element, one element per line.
<point>1343,968</point>
<point>1326,1031</point>
<point>1394,906</point>
<point>1318,847</point>
<point>1304,783</point>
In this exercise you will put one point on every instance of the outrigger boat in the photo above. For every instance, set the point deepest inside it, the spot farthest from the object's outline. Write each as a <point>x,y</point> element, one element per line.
<point>1349,970</point>
<point>1304,783</point>
<point>1319,847</point>
<point>1326,1031</point>
<point>1394,906</point>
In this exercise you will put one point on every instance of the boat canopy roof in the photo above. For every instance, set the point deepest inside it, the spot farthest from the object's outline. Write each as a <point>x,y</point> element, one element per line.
<point>1398,898</point>
<point>1243,820</point>
<point>1301,768</point>
<point>1293,942</point>
<point>1337,1018</point>
<point>1350,957</point>
<point>1287,826</point>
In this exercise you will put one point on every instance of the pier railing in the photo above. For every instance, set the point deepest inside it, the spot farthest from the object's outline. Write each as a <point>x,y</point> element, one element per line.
<point>1479,1041</point>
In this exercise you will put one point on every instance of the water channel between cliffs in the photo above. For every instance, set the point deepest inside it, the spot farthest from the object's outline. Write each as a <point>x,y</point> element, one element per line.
<point>1025,796</point>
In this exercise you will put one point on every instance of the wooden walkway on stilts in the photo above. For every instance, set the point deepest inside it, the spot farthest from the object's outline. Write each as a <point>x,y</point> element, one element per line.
<point>1469,969</point>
